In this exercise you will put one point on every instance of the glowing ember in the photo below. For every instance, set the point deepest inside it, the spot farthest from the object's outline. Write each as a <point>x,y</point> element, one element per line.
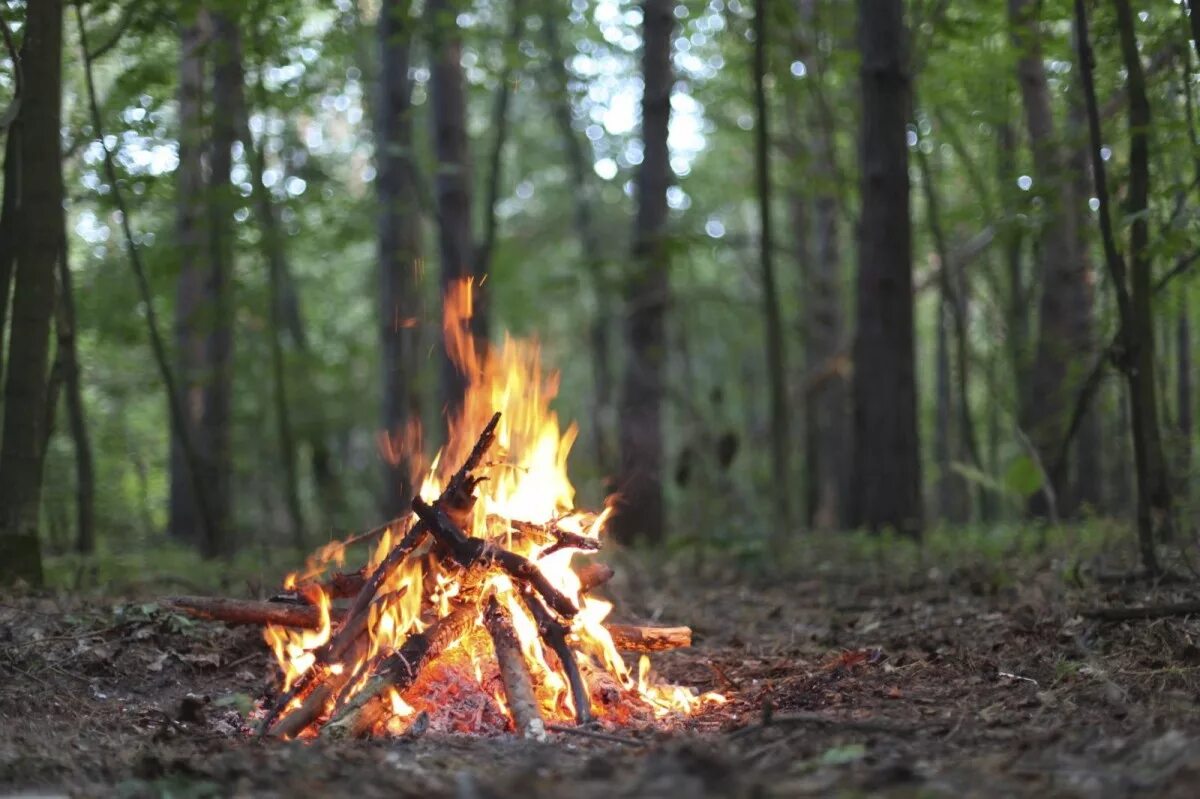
<point>525,507</point>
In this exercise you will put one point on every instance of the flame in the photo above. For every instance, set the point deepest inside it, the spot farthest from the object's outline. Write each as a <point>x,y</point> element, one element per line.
<point>527,481</point>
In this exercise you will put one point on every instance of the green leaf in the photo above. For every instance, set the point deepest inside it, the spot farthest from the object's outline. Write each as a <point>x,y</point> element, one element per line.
<point>1023,476</point>
<point>841,755</point>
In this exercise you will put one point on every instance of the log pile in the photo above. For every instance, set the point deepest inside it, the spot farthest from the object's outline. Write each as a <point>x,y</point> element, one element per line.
<point>351,679</point>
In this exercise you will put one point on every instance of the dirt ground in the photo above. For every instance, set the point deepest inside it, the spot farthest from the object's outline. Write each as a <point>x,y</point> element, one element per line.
<point>972,681</point>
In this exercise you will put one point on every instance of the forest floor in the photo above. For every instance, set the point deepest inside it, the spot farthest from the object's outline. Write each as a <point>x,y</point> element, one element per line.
<point>856,674</point>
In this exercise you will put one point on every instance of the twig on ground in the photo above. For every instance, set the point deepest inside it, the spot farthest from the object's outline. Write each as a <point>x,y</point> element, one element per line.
<point>597,735</point>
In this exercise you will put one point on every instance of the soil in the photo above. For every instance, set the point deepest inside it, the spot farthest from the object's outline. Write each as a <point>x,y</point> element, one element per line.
<point>976,681</point>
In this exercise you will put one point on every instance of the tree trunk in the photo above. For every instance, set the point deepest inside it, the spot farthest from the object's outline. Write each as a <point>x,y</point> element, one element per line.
<point>228,104</point>
<point>38,251</point>
<point>399,240</point>
<point>641,513</point>
<point>1089,441</point>
<point>1133,293</point>
<point>1064,325</point>
<point>886,446</point>
<point>1140,339</point>
<point>184,523</point>
<point>68,356</point>
<point>776,359</point>
<point>1183,388</point>
<point>591,250</point>
<point>9,225</point>
<point>453,179</point>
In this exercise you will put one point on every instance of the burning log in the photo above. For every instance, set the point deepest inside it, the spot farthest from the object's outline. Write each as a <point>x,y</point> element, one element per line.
<point>399,670</point>
<point>320,698</point>
<point>514,673</point>
<point>471,551</point>
<point>632,638</point>
<point>626,637</point>
<point>554,633</point>
<point>593,575</point>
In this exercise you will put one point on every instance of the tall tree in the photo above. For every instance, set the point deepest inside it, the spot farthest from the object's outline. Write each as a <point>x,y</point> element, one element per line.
<point>1064,310</point>
<point>399,242</point>
<point>453,179</point>
<point>886,445</point>
<point>191,227</point>
<point>228,103</point>
<point>38,251</point>
<point>776,360</point>
<point>1132,281</point>
<point>640,514</point>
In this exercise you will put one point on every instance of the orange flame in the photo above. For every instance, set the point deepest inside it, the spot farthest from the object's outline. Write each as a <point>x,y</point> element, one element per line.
<point>526,481</point>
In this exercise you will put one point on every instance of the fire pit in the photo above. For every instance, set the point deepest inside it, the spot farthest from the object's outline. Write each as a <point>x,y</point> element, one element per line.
<point>470,612</point>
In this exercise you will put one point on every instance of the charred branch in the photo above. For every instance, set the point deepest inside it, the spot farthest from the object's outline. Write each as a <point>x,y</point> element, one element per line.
<point>514,673</point>
<point>554,633</point>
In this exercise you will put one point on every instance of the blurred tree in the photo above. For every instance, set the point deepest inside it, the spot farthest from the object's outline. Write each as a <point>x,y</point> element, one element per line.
<point>399,251</point>
<point>38,251</point>
<point>640,515</point>
<point>1064,344</point>
<point>887,471</point>
<point>452,179</point>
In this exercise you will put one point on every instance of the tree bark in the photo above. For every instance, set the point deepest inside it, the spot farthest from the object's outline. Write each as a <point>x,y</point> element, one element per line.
<point>1064,324</point>
<point>886,445</point>
<point>641,513</point>
<point>399,239</point>
<point>776,359</point>
<point>191,227</point>
<point>38,251</point>
<point>453,179</point>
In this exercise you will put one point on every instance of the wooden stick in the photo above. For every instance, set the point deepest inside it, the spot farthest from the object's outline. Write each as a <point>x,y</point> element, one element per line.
<point>469,551</point>
<point>634,638</point>
<point>554,633</point>
<point>626,637</point>
<point>399,670</point>
<point>1143,612</point>
<point>457,494</point>
<point>245,611</point>
<point>320,698</point>
<point>514,673</point>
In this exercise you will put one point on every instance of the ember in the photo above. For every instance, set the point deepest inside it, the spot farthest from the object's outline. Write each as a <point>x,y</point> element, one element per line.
<point>470,608</point>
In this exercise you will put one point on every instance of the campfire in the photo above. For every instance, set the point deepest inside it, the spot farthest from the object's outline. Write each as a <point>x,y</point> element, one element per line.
<point>471,612</point>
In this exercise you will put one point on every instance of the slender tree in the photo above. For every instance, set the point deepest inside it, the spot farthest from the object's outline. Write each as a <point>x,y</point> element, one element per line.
<point>399,242</point>
<point>886,446</point>
<point>1064,309</point>
<point>38,251</point>
<point>68,356</point>
<point>640,514</point>
<point>818,251</point>
<point>453,179</point>
<point>776,359</point>
<point>1131,281</point>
